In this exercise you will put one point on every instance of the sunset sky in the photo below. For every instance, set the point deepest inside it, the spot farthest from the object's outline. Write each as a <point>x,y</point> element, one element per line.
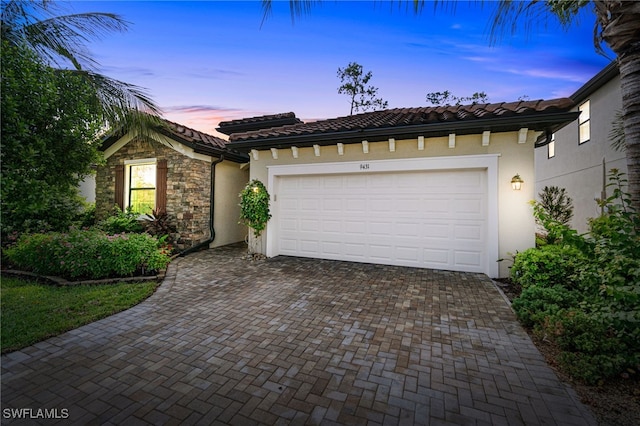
<point>208,61</point>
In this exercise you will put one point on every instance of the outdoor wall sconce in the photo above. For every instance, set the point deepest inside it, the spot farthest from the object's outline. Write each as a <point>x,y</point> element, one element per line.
<point>516,183</point>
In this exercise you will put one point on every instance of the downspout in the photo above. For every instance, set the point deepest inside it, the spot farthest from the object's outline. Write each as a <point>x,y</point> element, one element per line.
<point>212,197</point>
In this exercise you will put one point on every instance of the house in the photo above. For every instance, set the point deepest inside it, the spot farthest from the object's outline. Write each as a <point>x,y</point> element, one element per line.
<point>425,187</point>
<point>579,156</point>
<point>190,175</point>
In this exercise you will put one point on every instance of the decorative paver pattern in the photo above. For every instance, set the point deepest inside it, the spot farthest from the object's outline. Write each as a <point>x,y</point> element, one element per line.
<point>227,340</point>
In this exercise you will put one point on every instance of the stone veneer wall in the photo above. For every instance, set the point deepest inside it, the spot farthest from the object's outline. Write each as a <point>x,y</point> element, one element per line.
<point>188,188</point>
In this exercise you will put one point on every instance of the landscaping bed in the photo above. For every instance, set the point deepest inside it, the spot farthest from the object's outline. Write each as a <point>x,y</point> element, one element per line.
<point>615,402</point>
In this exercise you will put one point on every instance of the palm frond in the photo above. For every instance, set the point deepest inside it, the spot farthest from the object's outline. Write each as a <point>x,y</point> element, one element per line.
<point>124,105</point>
<point>296,8</point>
<point>509,15</point>
<point>67,36</point>
<point>616,134</point>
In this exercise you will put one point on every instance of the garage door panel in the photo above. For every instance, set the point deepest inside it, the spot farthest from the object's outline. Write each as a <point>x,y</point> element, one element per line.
<point>355,227</point>
<point>467,258</point>
<point>309,246</point>
<point>436,206</point>
<point>381,205</point>
<point>310,225</point>
<point>431,219</point>
<point>331,226</point>
<point>439,258</point>
<point>410,254</point>
<point>309,204</point>
<point>468,232</point>
<point>436,230</point>
<point>332,205</point>
<point>355,205</point>
<point>408,229</point>
<point>469,206</point>
<point>378,228</point>
<point>380,252</point>
<point>289,224</point>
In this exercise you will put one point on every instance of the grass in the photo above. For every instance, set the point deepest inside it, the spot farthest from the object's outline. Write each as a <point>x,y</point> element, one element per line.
<point>32,311</point>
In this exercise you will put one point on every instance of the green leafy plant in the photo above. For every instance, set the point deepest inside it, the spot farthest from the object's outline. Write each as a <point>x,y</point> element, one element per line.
<point>88,254</point>
<point>254,206</point>
<point>582,292</point>
<point>122,221</point>
<point>590,348</point>
<point>536,304</point>
<point>548,266</point>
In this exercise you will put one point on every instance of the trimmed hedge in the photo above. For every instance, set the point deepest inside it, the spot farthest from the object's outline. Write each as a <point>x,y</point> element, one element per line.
<point>91,254</point>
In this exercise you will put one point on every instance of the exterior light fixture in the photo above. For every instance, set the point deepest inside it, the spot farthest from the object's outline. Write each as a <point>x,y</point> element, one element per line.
<point>256,189</point>
<point>516,182</point>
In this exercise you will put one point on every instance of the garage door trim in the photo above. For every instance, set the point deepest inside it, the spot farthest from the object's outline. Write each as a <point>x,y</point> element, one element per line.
<point>488,162</point>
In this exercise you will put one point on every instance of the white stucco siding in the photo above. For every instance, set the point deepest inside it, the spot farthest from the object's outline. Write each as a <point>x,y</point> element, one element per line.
<point>514,223</point>
<point>230,180</point>
<point>578,167</point>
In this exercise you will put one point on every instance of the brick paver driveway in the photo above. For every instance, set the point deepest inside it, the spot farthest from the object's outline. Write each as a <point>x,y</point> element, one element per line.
<point>226,340</point>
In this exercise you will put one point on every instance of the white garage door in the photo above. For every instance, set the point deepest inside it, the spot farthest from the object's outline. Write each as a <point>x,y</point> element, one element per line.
<point>429,219</point>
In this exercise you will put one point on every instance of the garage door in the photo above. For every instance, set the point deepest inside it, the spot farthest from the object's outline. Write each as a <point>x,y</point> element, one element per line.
<point>431,219</point>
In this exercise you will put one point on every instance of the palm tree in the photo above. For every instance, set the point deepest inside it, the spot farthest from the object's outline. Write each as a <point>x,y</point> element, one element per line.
<point>617,24</point>
<point>60,41</point>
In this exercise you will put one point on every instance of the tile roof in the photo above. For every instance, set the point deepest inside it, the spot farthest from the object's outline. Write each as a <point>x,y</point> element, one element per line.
<point>255,123</point>
<point>428,121</point>
<point>200,142</point>
<point>195,136</point>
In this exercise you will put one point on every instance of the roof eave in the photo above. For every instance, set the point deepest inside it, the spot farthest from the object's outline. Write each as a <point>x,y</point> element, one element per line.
<point>599,80</point>
<point>211,151</point>
<point>539,122</point>
<point>246,127</point>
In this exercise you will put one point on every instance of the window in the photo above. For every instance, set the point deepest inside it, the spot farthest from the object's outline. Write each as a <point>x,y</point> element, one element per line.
<point>140,194</point>
<point>585,122</point>
<point>551,147</point>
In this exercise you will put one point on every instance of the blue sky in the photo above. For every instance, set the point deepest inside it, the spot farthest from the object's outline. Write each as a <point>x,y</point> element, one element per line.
<point>208,61</point>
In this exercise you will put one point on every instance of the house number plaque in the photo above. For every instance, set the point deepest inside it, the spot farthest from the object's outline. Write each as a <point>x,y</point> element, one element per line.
<point>364,166</point>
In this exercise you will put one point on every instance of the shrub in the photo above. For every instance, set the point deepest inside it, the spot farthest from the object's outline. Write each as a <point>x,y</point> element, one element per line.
<point>254,206</point>
<point>583,291</point>
<point>159,224</point>
<point>547,266</point>
<point>88,254</point>
<point>536,304</point>
<point>120,222</point>
<point>591,349</point>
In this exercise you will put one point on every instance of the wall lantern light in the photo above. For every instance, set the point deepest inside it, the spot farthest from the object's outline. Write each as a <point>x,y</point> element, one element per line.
<point>516,182</point>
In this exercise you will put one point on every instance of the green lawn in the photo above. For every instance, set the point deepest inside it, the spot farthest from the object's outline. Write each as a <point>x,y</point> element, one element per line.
<point>32,312</point>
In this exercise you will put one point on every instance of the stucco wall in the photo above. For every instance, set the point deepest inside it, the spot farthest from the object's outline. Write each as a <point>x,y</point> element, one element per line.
<point>578,167</point>
<point>230,180</point>
<point>188,191</point>
<point>516,224</point>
